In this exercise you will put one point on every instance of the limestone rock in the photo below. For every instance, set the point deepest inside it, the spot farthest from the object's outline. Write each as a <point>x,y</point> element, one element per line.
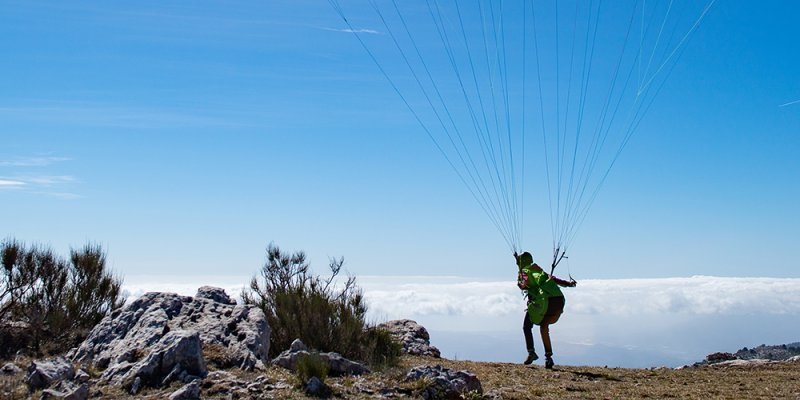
<point>10,369</point>
<point>215,294</point>
<point>128,335</point>
<point>190,391</point>
<point>67,391</point>
<point>445,383</point>
<point>316,388</point>
<point>42,374</point>
<point>337,365</point>
<point>412,336</point>
<point>177,356</point>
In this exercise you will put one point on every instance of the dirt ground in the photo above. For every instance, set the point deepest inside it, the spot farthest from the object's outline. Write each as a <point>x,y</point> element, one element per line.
<point>505,381</point>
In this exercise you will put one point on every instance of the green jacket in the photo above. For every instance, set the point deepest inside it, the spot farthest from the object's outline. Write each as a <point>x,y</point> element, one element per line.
<point>539,288</point>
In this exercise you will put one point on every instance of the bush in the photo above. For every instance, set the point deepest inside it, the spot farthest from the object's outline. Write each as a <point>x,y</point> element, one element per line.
<point>60,300</point>
<point>301,305</point>
<point>311,365</point>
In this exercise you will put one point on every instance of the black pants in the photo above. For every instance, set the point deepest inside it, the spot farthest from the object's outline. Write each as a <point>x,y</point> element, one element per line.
<point>555,306</point>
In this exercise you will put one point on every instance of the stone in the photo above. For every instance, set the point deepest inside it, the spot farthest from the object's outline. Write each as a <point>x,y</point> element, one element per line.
<point>297,345</point>
<point>315,387</point>
<point>10,369</point>
<point>444,382</point>
<point>127,336</point>
<point>215,294</point>
<point>337,365</point>
<point>67,391</point>
<point>190,391</point>
<point>177,352</point>
<point>412,336</point>
<point>41,374</point>
<point>82,376</point>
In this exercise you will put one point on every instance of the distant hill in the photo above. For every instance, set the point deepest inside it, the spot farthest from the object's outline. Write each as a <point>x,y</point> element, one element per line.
<point>775,353</point>
<point>763,352</point>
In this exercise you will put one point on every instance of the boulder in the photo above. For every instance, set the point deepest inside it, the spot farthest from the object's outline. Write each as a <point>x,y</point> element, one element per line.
<point>41,374</point>
<point>215,294</point>
<point>190,391</point>
<point>719,357</point>
<point>10,369</point>
<point>177,356</point>
<point>129,335</point>
<point>444,382</point>
<point>337,365</point>
<point>412,336</point>
<point>67,391</point>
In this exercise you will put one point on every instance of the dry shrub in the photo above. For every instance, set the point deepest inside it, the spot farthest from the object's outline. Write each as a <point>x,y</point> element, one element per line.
<point>325,316</point>
<point>60,300</point>
<point>218,356</point>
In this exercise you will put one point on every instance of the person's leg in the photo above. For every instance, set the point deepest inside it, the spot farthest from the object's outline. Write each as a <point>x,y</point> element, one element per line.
<point>554,309</point>
<point>527,329</point>
<point>544,329</point>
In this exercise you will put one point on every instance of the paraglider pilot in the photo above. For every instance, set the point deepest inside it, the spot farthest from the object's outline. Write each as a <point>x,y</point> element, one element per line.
<point>545,304</point>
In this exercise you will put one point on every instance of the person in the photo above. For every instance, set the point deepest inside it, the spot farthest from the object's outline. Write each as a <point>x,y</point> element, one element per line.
<point>545,304</point>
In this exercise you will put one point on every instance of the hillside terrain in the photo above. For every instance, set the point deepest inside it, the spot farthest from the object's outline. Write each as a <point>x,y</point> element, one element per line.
<point>773,380</point>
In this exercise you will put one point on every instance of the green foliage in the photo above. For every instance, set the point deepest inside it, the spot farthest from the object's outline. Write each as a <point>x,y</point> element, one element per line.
<point>311,365</point>
<point>325,316</point>
<point>380,348</point>
<point>58,300</point>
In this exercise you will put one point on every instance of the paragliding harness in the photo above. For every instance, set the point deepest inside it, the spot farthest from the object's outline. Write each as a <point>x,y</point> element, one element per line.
<point>537,305</point>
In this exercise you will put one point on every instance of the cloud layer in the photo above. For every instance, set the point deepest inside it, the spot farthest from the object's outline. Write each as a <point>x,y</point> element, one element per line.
<point>627,322</point>
<point>698,295</point>
<point>406,297</point>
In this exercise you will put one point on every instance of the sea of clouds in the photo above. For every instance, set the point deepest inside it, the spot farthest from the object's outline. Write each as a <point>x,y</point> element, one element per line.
<point>620,322</point>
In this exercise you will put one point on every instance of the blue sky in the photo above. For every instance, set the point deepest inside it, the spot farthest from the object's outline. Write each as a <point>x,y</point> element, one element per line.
<point>186,136</point>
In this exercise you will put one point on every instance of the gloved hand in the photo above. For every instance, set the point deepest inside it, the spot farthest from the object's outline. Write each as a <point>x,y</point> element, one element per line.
<point>573,283</point>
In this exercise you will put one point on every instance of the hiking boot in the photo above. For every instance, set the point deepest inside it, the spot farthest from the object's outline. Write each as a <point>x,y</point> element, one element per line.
<point>531,358</point>
<point>548,362</point>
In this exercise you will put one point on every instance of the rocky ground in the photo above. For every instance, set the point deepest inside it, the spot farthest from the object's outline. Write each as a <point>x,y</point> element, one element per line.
<point>752,380</point>
<point>179,347</point>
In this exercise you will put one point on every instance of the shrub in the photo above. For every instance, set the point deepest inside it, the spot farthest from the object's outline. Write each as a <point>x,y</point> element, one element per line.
<point>323,315</point>
<point>60,300</point>
<point>311,365</point>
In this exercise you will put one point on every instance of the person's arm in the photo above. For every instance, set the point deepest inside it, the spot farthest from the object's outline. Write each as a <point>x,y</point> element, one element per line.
<point>561,282</point>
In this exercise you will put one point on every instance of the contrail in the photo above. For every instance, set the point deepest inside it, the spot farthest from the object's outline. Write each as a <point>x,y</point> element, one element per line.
<point>789,103</point>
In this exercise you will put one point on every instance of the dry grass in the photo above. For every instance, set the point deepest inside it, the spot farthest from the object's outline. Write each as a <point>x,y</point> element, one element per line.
<point>514,381</point>
<point>506,381</point>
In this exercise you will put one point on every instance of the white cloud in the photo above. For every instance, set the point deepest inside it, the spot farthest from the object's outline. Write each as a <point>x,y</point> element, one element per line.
<point>36,184</point>
<point>698,295</point>
<point>406,297</point>
<point>10,184</point>
<point>41,185</point>
<point>45,180</point>
<point>35,161</point>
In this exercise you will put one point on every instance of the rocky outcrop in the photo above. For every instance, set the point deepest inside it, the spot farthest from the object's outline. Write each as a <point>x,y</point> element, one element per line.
<point>161,337</point>
<point>337,365</point>
<point>68,391</point>
<point>775,353</point>
<point>412,336</point>
<point>177,356</point>
<point>445,383</point>
<point>755,356</point>
<point>42,374</point>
